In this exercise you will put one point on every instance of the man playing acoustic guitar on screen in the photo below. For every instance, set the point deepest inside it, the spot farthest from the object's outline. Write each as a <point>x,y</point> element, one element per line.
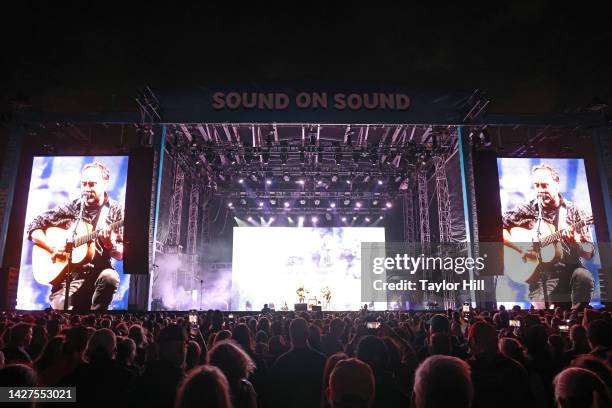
<point>95,240</point>
<point>561,231</point>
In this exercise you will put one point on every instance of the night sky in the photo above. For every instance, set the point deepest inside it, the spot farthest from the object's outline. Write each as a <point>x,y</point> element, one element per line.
<point>529,57</point>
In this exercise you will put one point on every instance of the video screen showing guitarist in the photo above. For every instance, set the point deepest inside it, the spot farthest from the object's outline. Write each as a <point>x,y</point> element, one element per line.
<point>562,230</point>
<point>97,239</point>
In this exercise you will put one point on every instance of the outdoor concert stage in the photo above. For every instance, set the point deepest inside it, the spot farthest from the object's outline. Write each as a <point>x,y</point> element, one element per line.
<point>235,199</point>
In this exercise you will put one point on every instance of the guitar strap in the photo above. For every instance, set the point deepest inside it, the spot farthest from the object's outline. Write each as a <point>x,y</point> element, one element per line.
<point>102,216</point>
<point>562,214</point>
<point>562,224</point>
<point>100,223</point>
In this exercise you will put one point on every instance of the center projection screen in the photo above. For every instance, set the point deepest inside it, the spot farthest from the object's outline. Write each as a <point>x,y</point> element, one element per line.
<point>270,264</point>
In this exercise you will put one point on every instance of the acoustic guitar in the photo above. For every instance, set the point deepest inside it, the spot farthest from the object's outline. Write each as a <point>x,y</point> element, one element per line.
<point>47,269</point>
<point>521,269</point>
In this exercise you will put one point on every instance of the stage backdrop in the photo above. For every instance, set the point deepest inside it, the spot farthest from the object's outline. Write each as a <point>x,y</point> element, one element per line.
<point>56,180</point>
<point>270,264</point>
<point>516,187</point>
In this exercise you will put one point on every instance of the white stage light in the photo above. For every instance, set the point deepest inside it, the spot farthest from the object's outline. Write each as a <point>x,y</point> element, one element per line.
<point>332,205</point>
<point>380,182</point>
<point>268,182</point>
<point>388,205</point>
<point>286,204</point>
<point>358,205</point>
<point>343,219</point>
<point>261,204</point>
<point>314,220</point>
<point>367,219</point>
<point>230,205</point>
<point>240,181</point>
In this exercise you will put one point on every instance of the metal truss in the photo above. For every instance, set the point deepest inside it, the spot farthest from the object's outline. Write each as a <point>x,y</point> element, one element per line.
<point>444,216</point>
<point>409,222</point>
<point>192,222</point>
<point>176,208</point>
<point>423,207</point>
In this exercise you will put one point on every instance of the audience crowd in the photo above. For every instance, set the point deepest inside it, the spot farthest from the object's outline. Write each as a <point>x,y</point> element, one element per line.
<point>490,358</point>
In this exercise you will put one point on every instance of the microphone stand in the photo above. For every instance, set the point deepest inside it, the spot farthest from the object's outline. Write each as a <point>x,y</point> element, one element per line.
<point>201,289</point>
<point>69,248</point>
<point>538,248</point>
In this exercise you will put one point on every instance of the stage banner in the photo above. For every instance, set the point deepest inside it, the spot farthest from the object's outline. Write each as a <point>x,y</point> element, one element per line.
<point>259,103</point>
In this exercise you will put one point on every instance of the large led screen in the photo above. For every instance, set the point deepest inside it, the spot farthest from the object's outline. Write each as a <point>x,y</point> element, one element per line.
<point>284,266</point>
<point>542,201</point>
<point>64,189</point>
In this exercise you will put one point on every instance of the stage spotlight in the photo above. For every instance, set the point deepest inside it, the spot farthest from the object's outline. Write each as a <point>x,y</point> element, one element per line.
<point>230,205</point>
<point>381,217</point>
<point>343,219</point>
<point>271,220</point>
<point>250,218</point>
<point>334,178</point>
<point>261,204</point>
<point>286,177</point>
<point>301,182</point>
<point>354,218</point>
<point>320,182</point>
<point>484,138</point>
<point>367,219</point>
<point>332,205</point>
<point>388,204</point>
<point>273,201</point>
<point>380,182</point>
<point>314,220</point>
<point>358,204</point>
<point>302,201</point>
<point>374,203</point>
<point>286,204</point>
<point>268,182</point>
<point>317,201</point>
<point>240,181</point>
<point>348,181</point>
<point>347,202</point>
